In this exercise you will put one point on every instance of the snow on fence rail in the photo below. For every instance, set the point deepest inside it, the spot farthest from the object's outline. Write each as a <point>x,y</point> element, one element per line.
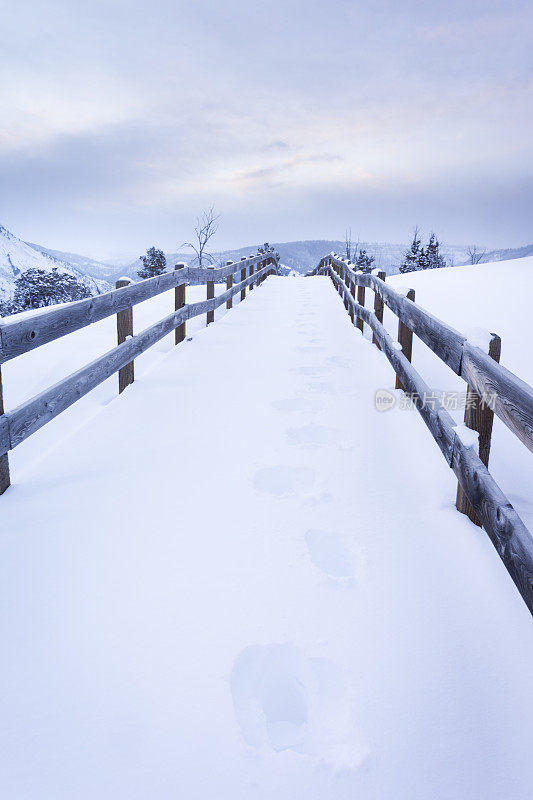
<point>478,495</point>
<point>21,335</point>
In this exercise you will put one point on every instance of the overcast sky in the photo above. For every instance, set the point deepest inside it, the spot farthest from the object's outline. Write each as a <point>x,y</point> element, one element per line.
<point>122,119</point>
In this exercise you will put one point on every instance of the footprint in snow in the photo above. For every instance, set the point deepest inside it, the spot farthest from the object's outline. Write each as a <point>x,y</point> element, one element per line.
<point>319,499</point>
<point>283,481</point>
<point>296,404</point>
<point>285,700</point>
<point>322,387</point>
<point>330,553</point>
<point>311,371</point>
<point>309,348</point>
<point>313,436</point>
<point>338,361</point>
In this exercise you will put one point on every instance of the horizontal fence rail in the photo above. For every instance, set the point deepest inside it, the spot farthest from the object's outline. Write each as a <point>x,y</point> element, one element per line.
<point>514,397</point>
<point>513,403</point>
<point>21,336</point>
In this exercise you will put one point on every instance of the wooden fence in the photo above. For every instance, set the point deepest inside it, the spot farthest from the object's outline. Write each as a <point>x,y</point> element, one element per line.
<point>28,332</point>
<point>491,388</point>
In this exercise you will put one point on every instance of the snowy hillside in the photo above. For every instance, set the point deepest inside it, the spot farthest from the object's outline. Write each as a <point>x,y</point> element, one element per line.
<point>508,253</point>
<point>16,256</point>
<point>298,256</point>
<point>304,255</point>
<point>88,266</point>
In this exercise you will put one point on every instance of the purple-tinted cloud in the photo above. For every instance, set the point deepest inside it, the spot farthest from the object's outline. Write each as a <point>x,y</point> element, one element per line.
<point>119,124</point>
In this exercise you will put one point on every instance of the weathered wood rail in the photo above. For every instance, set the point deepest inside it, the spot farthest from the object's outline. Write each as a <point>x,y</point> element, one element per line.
<point>511,399</point>
<point>19,336</point>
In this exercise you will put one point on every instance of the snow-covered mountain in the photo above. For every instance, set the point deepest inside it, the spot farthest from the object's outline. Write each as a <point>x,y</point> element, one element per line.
<point>301,256</point>
<point>17,256</point>
<point>100,270</point>
<point>295,257</point>
<point>509,254</point>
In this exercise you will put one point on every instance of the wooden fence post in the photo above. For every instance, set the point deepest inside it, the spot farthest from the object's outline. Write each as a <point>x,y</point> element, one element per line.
<point>243,278</point>
<point>352,292</point>
<point>405,338</point>
<point>378,309</point>
<point>124,330</point>
<point>345,288</point>
<point>210,295</point>
<point>229,284</point>
<point>361,301</point>
<point>252,268</point>
<point>350,288</point>
<point>479,417</point>
<point>5,479</point>
<point>179,302</point>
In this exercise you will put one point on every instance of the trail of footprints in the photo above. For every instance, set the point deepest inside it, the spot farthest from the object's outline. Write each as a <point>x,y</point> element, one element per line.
<point>283,699</point>
<point>328,551</point>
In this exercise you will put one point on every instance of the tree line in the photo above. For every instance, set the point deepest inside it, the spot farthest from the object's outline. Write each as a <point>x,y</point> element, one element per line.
<point>415,257</point>
<point>362,260</point>
<point>418,257</point>
<point>36,288</point>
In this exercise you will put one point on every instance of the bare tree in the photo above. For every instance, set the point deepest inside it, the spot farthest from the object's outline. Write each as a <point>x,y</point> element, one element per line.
<point>206,227</point>
<point>348,240</point>
<point>475,255</point>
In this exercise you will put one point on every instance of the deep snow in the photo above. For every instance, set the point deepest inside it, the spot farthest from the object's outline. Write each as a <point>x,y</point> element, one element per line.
<point>239,580</point>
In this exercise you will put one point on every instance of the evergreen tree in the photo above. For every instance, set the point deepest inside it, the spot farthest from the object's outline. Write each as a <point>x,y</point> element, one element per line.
<point>154,263</point>
<point>36,288</point>
<point>5,308</point>
<point>435,258</point>
<point>364,261</point>
<point>412,255</point>
<point>423,259</point>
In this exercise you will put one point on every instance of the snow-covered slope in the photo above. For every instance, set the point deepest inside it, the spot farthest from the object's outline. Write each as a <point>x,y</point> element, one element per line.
<point>17,256</point>
<point>303,256</point>
<point>492,296</point>
<point>298,256</point>
<point>88,266</point>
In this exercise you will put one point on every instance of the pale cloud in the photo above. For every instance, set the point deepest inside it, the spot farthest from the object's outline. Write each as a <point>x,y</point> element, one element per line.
<point>140,117</point>
<point>285,167</point>
<point>52,110</point>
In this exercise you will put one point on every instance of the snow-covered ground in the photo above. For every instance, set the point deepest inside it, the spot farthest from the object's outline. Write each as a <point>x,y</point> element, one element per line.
<point>239,580</point>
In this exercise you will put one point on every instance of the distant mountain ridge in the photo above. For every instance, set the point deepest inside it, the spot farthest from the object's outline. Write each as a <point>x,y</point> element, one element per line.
<point>88,266</point>
<point>295,257</point>
<point>298,256</point>
<point>17,256</point>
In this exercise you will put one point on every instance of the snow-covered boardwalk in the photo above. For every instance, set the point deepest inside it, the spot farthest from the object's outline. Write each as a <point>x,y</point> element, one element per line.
<point>239,580</point>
